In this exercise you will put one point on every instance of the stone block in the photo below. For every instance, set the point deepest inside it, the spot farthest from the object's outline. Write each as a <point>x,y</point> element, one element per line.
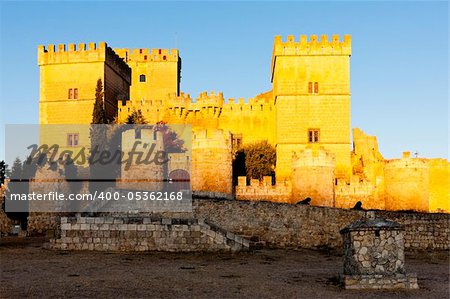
<point>99,220</point>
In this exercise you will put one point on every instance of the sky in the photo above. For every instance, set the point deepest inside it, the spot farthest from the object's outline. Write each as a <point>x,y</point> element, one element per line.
<point>399,63</point>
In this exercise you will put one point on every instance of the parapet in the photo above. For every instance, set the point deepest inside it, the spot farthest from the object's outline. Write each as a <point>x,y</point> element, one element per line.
<point>211,138</point>
<point>148,55</point>
<point>80,53</point>
<point>313,46</point>
<point>406,162</point>
<point>210,100</point>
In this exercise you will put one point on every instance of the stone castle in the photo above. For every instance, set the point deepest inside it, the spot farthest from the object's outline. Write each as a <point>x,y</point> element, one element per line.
<point>306,116</point>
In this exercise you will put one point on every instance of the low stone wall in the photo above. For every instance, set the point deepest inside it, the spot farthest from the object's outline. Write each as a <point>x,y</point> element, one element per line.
<point>279,225</point>
<point>422,230</point>
<point>41,223</point>
<point>143,234</point>
<point>297,226</point>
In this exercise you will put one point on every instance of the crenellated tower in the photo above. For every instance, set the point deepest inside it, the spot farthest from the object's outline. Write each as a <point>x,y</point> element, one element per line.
<point>156,73</point>
<point>311,93</point>
<point>68,78</point>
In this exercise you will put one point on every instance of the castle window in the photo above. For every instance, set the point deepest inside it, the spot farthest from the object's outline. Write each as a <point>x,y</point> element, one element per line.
<point>164,57</point>
<point>70,95</point>
<point>313,135</point>
<point>142,78</point>
<point>236,141</point>
<point>75,93</point>
<point>313,87</point>
<point>140,51</point>
<point>72,139</point>
<point>145,57</point>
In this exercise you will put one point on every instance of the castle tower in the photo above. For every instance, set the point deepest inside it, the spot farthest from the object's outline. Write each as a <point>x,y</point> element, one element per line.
<point>311,92</point>
<point>156,73</point>
<point>68,78</point>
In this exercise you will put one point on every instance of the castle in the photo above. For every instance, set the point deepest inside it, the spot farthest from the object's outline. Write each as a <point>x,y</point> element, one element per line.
<point>306,116</point>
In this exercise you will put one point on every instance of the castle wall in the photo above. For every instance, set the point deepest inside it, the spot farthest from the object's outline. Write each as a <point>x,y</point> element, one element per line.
<point>253,121</point>
<point>407,184</point>
<point>263,191</point>
<point>211,163</point>
<point>285,152</point>
<point>439,187</point>
<point>142,176</point>
<point>52,134</point>
<point>313,176</point>
<point>370,195</point>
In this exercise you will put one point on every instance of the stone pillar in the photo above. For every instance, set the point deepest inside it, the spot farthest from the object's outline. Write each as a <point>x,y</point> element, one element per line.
<point>374,256</point>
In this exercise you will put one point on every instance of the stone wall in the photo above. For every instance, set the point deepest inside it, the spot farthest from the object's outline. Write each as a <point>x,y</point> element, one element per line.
<point>5,222</point>
<point>294,226</point>
<point>143,234</point>
<point>212,163</point>
<point>281,192</point>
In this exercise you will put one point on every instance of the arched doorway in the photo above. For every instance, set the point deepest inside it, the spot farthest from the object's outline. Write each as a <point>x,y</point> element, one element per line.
<point>179,179</point>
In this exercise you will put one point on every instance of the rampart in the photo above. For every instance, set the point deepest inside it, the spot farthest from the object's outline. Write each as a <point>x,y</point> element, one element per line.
<point>78,54</point>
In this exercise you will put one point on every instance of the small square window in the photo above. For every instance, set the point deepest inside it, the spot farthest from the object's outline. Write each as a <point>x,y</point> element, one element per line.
<point>142,78</point>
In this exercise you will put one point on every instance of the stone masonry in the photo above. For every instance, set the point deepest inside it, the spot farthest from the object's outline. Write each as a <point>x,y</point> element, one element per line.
<point>145,234</point>
<point>374,256</point>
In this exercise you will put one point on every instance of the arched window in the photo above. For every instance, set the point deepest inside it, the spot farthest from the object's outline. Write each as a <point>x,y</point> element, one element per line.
<point>142,78</point>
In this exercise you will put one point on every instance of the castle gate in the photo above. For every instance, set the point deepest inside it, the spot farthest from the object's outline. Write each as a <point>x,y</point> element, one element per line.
<point>179,179</point>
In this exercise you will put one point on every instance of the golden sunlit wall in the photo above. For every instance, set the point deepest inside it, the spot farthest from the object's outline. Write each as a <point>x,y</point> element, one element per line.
<point>311,90</point>
<point>156,73</point>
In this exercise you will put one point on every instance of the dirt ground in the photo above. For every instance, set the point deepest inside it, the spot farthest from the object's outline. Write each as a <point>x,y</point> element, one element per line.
<point>28,270</point>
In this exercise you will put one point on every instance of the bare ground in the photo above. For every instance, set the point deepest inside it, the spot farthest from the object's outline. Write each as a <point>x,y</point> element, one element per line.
<point>28,270</point>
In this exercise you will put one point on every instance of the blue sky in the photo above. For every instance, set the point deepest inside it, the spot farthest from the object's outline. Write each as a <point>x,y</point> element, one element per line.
<point>399,66</point>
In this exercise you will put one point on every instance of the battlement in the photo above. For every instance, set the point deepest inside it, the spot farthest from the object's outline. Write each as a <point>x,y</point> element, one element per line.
<point>148,55</point>
<point>313,46</point>
<point>92,52</point>
<point>210,100</point>
<point>406,162</point>
<point>313,156</point>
